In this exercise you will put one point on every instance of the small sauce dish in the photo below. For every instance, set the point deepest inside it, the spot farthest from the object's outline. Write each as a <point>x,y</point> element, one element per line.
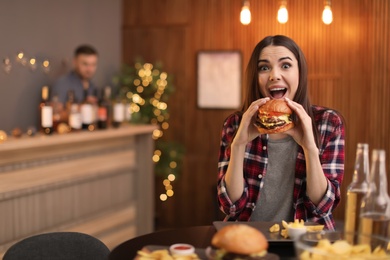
<point>181,249</point>
<point>296,232</point>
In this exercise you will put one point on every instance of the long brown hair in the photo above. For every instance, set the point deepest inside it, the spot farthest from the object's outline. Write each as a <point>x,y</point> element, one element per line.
<point>252,91</point>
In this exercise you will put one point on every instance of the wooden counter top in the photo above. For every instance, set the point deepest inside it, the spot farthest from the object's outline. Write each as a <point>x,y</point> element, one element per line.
<point>40,140</point>
<point>28,152</point>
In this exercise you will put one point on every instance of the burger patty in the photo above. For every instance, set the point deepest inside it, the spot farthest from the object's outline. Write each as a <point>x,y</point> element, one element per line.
<point>270,122</point>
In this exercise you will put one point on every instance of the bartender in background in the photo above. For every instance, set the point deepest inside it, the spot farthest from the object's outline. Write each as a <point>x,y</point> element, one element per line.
<point>79,79</point>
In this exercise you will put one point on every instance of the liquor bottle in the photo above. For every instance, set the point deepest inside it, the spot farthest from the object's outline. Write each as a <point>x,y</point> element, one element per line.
<point>69,102</point>
<point>108,104</point>
<point>57,109</point>
<point>118,113</point>
<point>46,112</point>
<point>95,110</point>
<point>356,190</point>
<point>375,208</point>
<point>102,116</point>
<point>87,113</point>
<point>75,121</point>
<point>105,108</point>
<point>128,111</point>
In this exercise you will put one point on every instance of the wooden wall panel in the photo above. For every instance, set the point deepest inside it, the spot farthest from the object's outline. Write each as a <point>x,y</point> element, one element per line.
<point>379,42</point>
<point>348,65</point>
<point>154,13</point>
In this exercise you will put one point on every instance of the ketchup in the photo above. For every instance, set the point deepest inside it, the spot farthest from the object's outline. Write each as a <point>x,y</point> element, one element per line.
<point>182,247</point>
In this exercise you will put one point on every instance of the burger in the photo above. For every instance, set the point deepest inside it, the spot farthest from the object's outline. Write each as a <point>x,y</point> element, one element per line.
<point>240,241</point>
<point>274,117</point>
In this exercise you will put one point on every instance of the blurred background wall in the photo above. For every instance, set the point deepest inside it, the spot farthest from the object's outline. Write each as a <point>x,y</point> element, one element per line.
<point>349,68</point>
<point>51,30</point>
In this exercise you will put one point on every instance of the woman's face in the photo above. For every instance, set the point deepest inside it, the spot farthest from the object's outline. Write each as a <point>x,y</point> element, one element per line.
<point>278,72</point>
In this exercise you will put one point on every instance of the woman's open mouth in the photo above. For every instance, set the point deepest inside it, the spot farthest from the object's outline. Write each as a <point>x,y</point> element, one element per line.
<point>278,93</point>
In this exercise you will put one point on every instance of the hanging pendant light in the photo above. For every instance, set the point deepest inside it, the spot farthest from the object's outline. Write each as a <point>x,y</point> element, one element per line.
<point>327,16</point>
<point>245,15</point>
<point>282,12</point>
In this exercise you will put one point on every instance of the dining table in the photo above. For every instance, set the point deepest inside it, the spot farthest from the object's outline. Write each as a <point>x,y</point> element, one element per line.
<point>200,237</point>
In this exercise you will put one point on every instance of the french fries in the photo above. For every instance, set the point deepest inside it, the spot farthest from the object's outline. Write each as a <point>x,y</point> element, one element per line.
<point>315,228</point>
<point>284,224</point>
<point>284,233</point>
<point>163,254</point>
<point>341,249</point>
<point>156,254</point>
<point>274,228</point>
<point>297,223</point>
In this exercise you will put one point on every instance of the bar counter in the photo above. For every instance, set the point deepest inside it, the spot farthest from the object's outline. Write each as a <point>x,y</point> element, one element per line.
<point>99,183</point>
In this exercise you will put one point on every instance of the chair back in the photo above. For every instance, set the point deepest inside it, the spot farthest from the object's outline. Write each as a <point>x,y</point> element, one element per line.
<point>58,246</point>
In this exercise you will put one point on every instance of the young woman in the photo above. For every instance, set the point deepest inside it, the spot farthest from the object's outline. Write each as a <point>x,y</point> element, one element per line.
<point>292,175</point>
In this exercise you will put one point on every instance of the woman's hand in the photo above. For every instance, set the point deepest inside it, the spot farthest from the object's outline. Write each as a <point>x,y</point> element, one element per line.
<point>303,134</point>
<point>303,131</point>
<point>247,131</point>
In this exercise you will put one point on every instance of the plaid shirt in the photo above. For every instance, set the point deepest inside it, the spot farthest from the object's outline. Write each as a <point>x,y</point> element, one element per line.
<point>331,154</point>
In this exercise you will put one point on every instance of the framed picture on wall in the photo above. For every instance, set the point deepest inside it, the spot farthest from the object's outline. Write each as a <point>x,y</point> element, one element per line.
<point>219,79</point>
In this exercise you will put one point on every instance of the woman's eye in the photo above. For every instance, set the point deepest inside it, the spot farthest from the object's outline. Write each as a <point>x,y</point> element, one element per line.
<point>286,66</point>
<point>263,68</point>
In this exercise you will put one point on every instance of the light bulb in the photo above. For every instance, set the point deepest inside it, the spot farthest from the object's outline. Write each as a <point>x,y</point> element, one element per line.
<point>282,14</point>
<point>327,16</point>
<point>46,66</point>
<point>33,64</point>
<point>245,15</point>
<point>20,57</point>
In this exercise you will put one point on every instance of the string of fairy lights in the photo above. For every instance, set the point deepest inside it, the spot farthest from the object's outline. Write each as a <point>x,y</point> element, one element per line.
<point>148,94</point>
<point>30,62</point>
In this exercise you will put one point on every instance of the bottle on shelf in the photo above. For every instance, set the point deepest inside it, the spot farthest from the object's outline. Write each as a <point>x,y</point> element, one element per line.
<point>356,190</point>
<point>128,111</point>
<point>68,106</point>
<point>46,112</point>
<point>95,109</point>
<point>108,103</point>
<point>118,113</point>
<point>105,109</point>
<point>57,111</point>
<point>72,113</point>
<point>375,208</point>
<point>87,113</point>
<point>74,121</point>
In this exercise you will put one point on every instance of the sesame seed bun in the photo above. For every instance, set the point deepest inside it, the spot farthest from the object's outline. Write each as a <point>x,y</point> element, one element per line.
<point>240,239</point>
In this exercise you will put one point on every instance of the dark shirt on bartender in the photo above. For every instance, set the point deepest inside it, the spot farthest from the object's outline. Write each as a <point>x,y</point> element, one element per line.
<point>72,81</point>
